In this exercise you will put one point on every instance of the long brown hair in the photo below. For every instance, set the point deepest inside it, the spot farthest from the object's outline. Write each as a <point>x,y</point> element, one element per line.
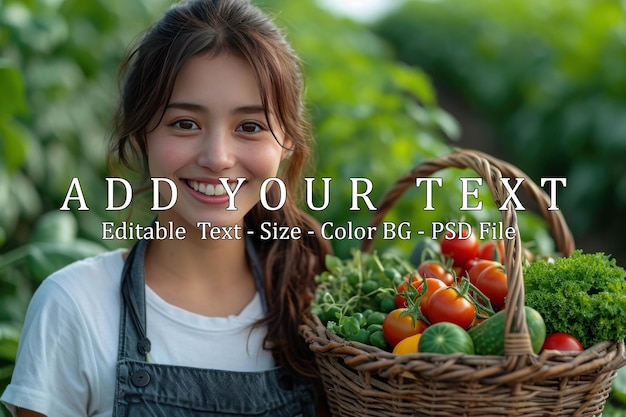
<point>148,73</point>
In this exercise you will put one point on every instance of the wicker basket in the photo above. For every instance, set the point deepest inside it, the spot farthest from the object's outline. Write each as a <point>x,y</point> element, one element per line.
<point>362,380</point>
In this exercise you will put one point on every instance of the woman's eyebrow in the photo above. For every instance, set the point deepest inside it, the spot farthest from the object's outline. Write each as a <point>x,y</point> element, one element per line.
<point>186,106</point>
<point>251,109</point>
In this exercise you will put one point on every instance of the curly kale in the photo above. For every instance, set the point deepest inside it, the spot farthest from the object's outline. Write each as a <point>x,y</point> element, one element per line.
<point>583,295</point>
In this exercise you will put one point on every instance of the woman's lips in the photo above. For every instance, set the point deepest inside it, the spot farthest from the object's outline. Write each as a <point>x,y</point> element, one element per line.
<point>210,189</point>
<point>212,193</point>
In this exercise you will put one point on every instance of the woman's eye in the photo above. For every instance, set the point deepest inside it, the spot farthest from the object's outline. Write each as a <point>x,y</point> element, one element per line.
<point>185,125</point>
<point>250,127</point>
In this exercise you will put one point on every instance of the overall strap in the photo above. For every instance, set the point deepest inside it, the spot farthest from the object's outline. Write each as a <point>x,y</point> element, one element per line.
<point>133,342</point>
<point>257,271</point>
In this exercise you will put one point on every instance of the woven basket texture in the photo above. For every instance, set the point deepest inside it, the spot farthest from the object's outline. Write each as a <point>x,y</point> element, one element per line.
<point>362,380</point>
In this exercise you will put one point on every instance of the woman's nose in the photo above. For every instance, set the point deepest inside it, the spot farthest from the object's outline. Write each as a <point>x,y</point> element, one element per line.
<point>216,151</point>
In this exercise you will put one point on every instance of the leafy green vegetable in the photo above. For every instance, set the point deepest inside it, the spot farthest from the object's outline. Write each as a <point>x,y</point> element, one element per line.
<point>355,294</point>
<point>583,295</point>
<point>366,281</point>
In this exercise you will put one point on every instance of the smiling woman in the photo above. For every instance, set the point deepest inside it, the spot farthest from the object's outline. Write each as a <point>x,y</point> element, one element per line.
<point>191,326</point>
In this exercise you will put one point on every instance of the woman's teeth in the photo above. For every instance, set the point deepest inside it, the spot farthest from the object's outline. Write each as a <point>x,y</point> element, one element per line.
<point>210,189</point>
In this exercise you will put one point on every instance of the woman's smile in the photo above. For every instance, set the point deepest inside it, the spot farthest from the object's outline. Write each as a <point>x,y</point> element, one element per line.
<point>213,191</point>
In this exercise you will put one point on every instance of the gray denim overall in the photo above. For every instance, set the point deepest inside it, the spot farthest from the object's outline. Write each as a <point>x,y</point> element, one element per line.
<point>146,389</point>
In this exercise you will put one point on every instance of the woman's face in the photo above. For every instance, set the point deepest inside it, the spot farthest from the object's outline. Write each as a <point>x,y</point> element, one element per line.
<point>214,126</point>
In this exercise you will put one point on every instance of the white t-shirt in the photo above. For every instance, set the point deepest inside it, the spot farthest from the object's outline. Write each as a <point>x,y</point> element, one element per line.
<point>66,360</point>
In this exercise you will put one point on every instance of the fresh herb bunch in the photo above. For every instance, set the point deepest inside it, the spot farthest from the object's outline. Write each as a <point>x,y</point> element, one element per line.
<point>583,295</point>
<point>366,281</point>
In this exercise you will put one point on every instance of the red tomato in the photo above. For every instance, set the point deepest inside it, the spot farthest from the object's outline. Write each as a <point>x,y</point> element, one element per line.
<point>492,250</point>
<point>396,328</point>
<point>562,341</point>
<point>400,299</point>
<point>492,283</point>
<point>462,247</point>
<point>434,269</point>
<point>447,304</point>
<point>433,285</point>
<point>477,266</point>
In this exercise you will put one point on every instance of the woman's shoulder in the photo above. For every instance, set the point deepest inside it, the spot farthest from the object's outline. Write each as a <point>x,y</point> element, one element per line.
<point>87,278</point>
<point>68,345</point>
<point>105,263</point>
<point>83,295</point>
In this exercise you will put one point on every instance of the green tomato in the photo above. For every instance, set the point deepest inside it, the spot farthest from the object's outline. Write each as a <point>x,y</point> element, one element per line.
<point>374,328</point>
<point>330,313</point>
<point>354,278</point>
<point>361,336</point>
<point>446,337</point>
<point>388,303</point>
<point>369,286</point>
<point>376,317</point>
<point>377,339</point>
<point>394,275</point>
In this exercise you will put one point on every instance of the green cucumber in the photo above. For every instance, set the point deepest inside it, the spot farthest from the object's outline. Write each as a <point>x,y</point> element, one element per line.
<point>488,336</point>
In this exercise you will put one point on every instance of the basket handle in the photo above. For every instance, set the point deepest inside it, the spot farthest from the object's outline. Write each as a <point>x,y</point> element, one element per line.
<point>491,169</point>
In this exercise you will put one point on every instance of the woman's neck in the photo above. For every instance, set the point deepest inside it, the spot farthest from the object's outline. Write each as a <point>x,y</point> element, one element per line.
<point>209,277</point>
